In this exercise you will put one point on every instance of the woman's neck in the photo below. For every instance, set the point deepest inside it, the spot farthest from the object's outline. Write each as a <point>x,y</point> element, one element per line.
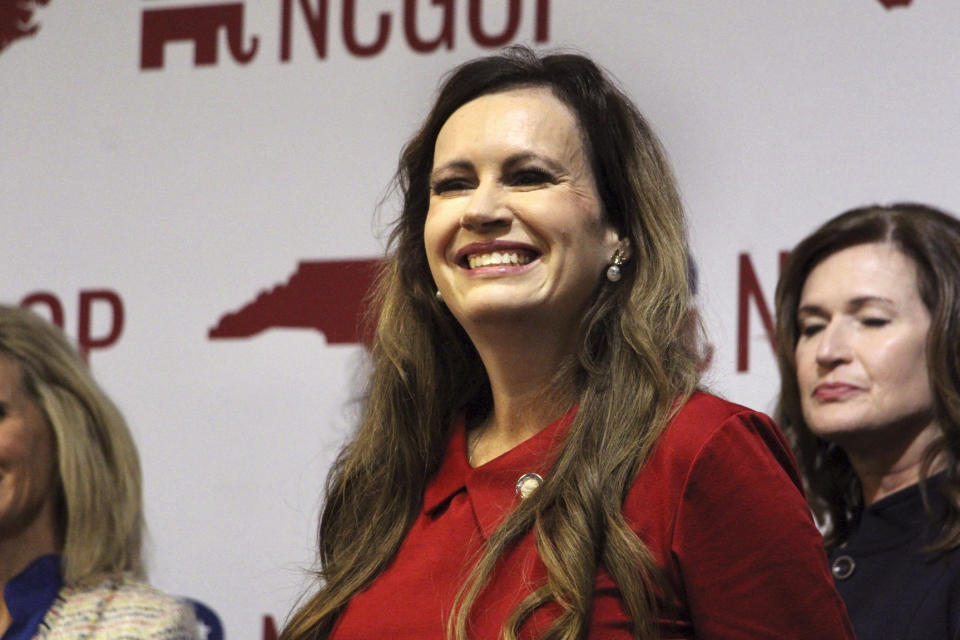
<point>24,544</point>
<point>884,470</point>
<point>530,383</point>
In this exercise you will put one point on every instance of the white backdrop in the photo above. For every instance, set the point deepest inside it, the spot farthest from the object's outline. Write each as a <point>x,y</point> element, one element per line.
<point>186,190</point>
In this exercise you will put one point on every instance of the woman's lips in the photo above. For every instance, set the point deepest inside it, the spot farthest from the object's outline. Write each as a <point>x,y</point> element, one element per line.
<point>499,255</point>
<point>834,391</point>
<point>497,258</point>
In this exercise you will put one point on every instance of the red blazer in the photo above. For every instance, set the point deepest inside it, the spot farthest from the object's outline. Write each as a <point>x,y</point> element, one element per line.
<point>718,504</point>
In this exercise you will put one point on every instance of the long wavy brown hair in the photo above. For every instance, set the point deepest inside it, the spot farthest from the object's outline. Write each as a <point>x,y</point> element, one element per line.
<point>636,362</point>
<point>931,239</point>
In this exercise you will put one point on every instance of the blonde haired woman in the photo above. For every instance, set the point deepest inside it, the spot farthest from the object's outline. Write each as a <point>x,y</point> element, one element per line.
<point>71,519</point>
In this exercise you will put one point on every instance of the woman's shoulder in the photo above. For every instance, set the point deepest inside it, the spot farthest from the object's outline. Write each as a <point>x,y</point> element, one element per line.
<point>719,497</point>
<point>719,506</point>
<point>120,607</point>
<point>710,438</point>
<point>704,404</point>
<point>705,417</point>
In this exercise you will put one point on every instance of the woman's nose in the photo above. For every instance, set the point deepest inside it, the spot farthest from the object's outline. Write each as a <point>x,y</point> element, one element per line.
<point>486,210</point>
<point>834,347</point>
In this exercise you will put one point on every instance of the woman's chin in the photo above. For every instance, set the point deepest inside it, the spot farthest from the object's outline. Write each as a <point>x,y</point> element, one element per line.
<point>495,298</point>
<point>497,312</point>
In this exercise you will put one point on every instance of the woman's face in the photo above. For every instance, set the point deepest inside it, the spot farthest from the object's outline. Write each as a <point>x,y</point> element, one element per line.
<point>515,227</point>
<point>861,355</point>
<point>28,477</point>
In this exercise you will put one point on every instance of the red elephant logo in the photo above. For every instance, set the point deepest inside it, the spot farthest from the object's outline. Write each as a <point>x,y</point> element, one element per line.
<point>16,20</point>
<point>200,24</point>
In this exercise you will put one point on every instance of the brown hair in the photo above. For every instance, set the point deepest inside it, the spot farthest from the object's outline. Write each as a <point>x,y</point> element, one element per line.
<point>637,356</point>
<point>101,513</point>
<point>931,239</point>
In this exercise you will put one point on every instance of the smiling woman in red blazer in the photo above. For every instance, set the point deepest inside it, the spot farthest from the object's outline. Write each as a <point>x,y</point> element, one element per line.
<point>534,459</point>
<point>868,328</point>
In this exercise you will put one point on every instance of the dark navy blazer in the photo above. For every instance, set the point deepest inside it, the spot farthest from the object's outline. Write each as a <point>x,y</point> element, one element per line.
<point>893,590</point>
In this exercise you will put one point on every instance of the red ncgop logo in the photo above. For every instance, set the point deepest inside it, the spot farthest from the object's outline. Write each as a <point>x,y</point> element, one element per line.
<point>200,25</point>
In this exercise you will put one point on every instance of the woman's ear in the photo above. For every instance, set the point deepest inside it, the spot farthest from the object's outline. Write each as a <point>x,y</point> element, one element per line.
<point>613,242</point>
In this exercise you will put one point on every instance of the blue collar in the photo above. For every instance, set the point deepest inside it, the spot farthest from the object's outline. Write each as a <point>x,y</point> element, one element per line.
<point>30,594</point>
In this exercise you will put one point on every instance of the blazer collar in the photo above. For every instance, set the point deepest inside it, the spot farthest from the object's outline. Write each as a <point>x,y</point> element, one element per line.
<point>492,487</point>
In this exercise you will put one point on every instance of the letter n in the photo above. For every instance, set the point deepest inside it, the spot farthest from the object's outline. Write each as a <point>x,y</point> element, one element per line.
<point>269,628</point>
<point>316,24</point>
<point>749,287</point>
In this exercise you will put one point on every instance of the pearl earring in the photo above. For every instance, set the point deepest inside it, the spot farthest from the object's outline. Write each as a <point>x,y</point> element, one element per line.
<point>438,296</point>
<point>613,271</point>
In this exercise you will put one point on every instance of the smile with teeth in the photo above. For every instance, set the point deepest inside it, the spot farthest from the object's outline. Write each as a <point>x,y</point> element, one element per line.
<point>494,258</point>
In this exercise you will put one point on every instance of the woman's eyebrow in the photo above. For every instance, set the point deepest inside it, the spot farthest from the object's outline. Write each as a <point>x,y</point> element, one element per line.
<point>811,310</point>
<point>453,164</point>
<point>852,305</point>
<point>855,304</point>
<point>524,156</point>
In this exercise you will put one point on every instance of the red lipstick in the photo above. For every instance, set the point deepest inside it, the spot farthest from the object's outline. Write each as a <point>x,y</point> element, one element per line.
<point>835,391</point>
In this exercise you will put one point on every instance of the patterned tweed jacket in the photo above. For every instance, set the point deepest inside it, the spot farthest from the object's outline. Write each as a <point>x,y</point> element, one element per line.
<point>117,609</point>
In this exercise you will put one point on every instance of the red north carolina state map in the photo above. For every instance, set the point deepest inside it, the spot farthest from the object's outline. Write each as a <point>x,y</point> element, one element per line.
<point>327,296</point>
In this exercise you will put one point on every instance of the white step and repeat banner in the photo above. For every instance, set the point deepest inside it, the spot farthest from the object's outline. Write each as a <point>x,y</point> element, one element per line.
<point>196,190</point>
